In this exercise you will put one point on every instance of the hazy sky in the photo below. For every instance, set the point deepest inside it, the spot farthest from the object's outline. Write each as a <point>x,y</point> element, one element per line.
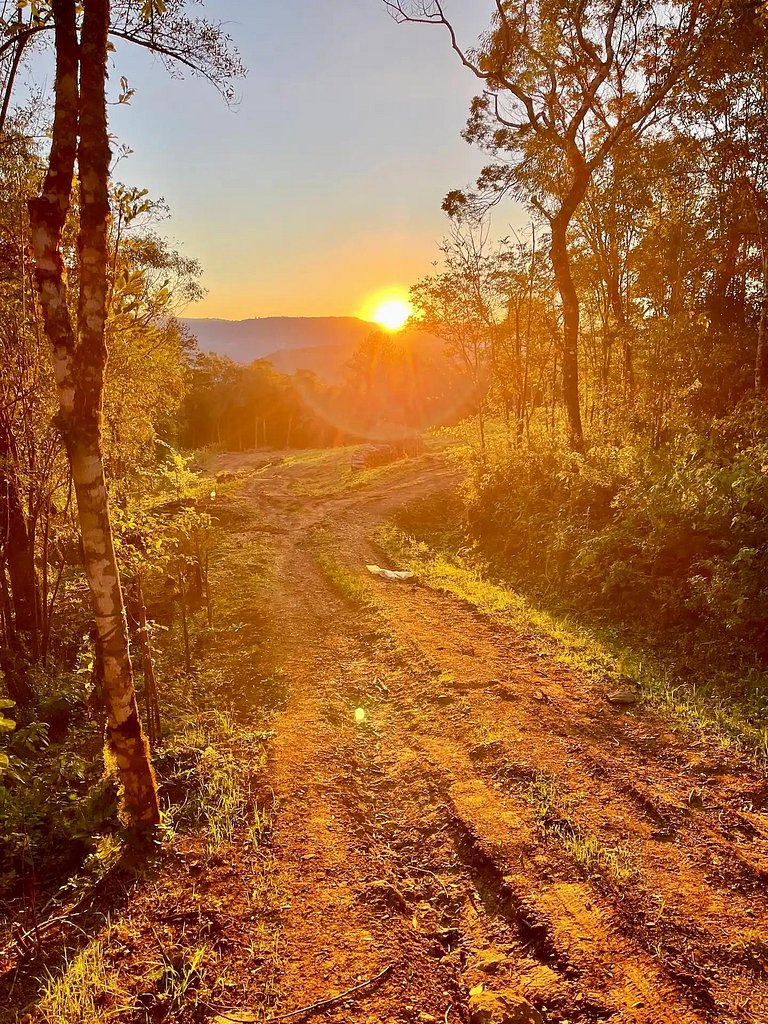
<point>324,185</point>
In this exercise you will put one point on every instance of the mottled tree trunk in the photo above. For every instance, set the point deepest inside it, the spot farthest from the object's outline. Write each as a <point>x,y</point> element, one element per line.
<point>761,361</point>
<point>154,725</point>
<point>79,365</point>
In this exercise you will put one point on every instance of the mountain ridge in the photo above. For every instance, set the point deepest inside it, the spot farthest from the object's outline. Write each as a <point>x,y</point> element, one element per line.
<point>267,337</point>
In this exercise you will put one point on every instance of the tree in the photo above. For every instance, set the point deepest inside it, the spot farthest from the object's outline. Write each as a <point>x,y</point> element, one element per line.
<point>562,89</point>
<point>79,358</point>
<point>79,339</point>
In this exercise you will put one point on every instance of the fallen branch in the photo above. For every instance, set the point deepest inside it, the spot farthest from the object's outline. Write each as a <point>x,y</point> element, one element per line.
<point>312,1007</point>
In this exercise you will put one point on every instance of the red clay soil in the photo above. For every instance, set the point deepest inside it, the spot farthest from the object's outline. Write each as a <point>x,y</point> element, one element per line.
<point>494,826</point>
<point>494,821</point>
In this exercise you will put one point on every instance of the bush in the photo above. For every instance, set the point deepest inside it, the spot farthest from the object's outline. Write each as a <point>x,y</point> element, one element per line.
<point>678,537</point>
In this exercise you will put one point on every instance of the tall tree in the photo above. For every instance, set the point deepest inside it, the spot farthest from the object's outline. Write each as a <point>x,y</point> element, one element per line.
<point>79,358</point>
<point>563,87</point>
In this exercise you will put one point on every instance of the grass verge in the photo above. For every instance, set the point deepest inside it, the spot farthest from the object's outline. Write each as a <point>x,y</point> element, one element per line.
<point>346,584</point>
<point>698,704</point>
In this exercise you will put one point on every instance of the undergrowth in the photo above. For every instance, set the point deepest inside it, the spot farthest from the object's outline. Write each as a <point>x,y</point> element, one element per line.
<point>208,760</point>
<point>78,994</point>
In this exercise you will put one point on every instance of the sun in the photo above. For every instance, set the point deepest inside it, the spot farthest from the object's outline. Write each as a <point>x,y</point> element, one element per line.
<point>390,311</point>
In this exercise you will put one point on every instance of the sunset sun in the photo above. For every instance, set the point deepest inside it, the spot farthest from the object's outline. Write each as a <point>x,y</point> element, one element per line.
<point>391,313</point>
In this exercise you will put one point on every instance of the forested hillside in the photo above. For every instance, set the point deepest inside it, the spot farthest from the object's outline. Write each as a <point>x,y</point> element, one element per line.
<point>619,465</point>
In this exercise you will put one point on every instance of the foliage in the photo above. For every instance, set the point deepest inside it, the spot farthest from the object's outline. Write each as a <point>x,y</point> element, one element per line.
<point>676,539</point>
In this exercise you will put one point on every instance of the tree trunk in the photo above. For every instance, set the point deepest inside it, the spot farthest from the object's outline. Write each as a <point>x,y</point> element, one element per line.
<point>761,362</point>
<point>154,725</point>
<point>18,543</point>
<point>79,368</point>
<point>561,266</point>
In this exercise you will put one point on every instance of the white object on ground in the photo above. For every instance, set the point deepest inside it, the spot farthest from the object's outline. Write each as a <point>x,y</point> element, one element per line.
<point>389,574</point>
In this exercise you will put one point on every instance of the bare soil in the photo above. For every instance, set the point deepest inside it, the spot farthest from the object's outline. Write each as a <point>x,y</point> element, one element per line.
<point>417,838</point>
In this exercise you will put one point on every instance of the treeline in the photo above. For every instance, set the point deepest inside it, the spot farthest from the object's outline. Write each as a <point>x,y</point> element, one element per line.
<point>393,385</point>
<point>619,340</point>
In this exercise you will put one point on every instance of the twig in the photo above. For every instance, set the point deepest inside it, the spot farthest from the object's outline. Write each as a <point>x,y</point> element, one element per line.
<point>323,1002</point>
<point>426,871</point>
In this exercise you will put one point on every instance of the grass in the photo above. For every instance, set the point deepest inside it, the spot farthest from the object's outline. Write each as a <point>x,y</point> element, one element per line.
<point>80,994</point>
<point>591,855</point>
<point>335,474</point>
<point>180,973</point>
<point>346,584</point>
<point>698,705</point>
<point>211,764</point>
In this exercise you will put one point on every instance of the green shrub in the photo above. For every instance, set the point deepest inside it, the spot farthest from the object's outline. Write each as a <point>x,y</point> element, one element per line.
<point>675,539</point>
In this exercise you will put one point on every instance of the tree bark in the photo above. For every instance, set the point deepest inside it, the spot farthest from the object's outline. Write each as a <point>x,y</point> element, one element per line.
<point>561,266</point>
<point>79,368</point>
<point>18,543</point>
<point>154,725</point>
<point>761,361</point>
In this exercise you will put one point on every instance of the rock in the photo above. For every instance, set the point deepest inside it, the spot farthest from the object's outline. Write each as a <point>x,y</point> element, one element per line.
<point>491,748</point>
<point>623,696</point>
<point>504,1007</point>
<point>489,960</point>
<point>384,894</point>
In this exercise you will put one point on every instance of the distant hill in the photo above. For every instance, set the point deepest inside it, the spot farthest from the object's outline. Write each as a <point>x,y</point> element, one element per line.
<point>327,361</point>
<point>322,344</point>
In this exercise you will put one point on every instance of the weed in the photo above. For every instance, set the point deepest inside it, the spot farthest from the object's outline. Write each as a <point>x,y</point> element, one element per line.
<point>751,949</point>
<point>588,852</point>
<point>593,857</point>
<point>343,581</point>
<point>181,973</point>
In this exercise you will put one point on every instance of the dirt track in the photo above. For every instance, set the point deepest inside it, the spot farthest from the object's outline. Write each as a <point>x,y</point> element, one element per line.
<point>494,821</point>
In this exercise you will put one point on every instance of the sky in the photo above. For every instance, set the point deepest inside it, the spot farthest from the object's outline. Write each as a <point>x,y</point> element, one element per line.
<point>323,186</point>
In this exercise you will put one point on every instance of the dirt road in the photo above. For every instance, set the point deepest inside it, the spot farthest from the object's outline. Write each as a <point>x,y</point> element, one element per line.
<point>493,835</point>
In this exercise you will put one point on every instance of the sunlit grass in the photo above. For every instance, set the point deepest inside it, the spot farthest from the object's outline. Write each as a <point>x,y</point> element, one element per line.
<point>84,992</point>
<point>336,475</point>
<point>695,705</point>
<point>588,852</point>
<point>180,973</point>
<point>215,760</point>
<point>346,583</point>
